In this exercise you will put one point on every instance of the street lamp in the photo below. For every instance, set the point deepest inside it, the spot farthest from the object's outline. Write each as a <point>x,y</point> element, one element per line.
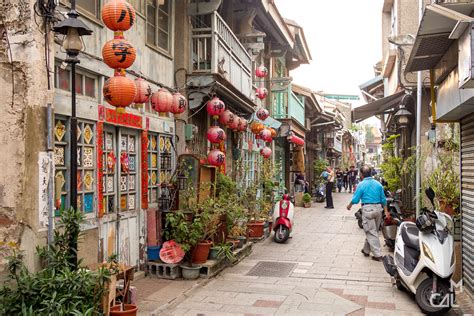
<point>73,29</point>
<point>402,116</point>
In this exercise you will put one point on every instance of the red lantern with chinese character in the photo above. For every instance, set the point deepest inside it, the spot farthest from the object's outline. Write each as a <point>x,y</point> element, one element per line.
<point>266,135</point>
<point>215,134</point>
<point>234,125</point>
<point>273,132</point>
<point>215,107</point>
<point>118,15</point>
<point>119,53</point>
<point>179,103</point>
<point>266,152</point>
<point>262,114</point>
<point>216,157</point>
<point>143,92</point>
<point>120,92</point>
<point>256,127</point>
<point>261,93</point>
<point>261,71</point>
<point>244,125</point>
<point>296,140</point>
<point>161,100</point>
<point>226,118</point>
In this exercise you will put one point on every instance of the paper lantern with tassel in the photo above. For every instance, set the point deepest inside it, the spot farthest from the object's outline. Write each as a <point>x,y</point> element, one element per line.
<point>266,152</point>
<point>216,157</point>
<point>261,71</point>
<point>261,93</point>
<point>226,118</point>
<point>120,92</point>
<point>215,134</point>
<point>118,15</point>
<point>143,92</point>
<point>262,114</point>
<point>161,100</point>
<point>119,53</point>
<point>266,135</point>
<point>244,125</point>
<point>215,107</point>
<point>179,103</point>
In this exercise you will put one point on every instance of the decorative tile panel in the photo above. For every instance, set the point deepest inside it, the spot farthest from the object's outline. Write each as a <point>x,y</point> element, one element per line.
<point>109,142</point>
<point>88,202</point>
<point>88,181</point>
<point>131,202</point>
<point>123,202</point>
<point>153,178</point>
<point>132,163</point>
<point>110,204</point>
<point>123,183</point>
<point>79,156</point>
<point>59,155</point>
<point>154,160</point>
<point>123,143</point>
<point>131,144</point>
<point>88,157</point>
<point>88,134</point>
<point>153,142</point>
<point>59,130</point>
<point>131,182</point>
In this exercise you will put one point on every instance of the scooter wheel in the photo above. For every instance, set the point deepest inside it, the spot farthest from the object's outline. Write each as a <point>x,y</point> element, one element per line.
<point>424,295</point>
<point>282,234</point>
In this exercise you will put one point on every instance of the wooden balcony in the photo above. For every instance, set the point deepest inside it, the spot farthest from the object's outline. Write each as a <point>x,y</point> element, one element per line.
<point>217,50</point>
<point>287,105</point>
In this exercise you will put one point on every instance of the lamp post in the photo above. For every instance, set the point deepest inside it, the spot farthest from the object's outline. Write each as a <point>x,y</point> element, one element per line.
<point>73,29</point>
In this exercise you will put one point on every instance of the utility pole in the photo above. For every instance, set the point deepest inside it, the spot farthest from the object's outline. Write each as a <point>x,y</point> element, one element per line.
<point>418,128</point>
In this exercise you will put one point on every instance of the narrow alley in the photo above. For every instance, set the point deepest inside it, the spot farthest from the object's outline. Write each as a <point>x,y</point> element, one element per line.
<point>319,271</point>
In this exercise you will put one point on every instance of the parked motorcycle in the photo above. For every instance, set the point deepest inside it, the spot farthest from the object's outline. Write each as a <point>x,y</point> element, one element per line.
<point>424,259</point>
<point>390,224</point>
<point>320,194</point>
<point>283,219</point>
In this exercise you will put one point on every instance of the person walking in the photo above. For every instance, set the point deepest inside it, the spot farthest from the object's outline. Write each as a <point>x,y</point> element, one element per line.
<point>339,179</point>
<point>345,178</point>
<point>352,175</point>
<point>370,192</point>
<point>329,186</point>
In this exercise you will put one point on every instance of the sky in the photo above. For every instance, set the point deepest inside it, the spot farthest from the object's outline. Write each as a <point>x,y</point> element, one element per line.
<point>344,38</point>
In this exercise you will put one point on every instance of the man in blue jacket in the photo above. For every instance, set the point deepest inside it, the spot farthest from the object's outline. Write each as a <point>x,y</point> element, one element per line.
<point>370,192</point>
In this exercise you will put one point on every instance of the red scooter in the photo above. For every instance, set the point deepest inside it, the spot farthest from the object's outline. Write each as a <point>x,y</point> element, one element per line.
<point>283,219</point>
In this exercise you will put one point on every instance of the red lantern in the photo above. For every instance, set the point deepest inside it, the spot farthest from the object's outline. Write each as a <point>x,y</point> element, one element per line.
<point>261,71</point>
<point>296,140</point>
<point>120,92</point>
<point>118,15</point>
<point>215,107</point>
<point>226,118</point>
<point>119,53</point>
<point>216,157</point>
<point>261,93</point>
<point>256,127</point>
<point>273,132</point>
<point>234,125</point>
<point>262,114</point>
<point>143,92</point>
<point>244,125</point>
<point>179,103</point>
<point>215,134</point>
<point>161,100</point>
<point>266,152</point>
<point>266,135</point>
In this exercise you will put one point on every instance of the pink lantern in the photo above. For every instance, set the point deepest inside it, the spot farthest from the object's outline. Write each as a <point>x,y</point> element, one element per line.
<point>244,125</point>
<point>240,121</point>
<point>262,114</point>
<point>266,152</point>
<point>143,92</point>
<point>261,93</point>
<point>226,118</point>
<point>215,107</point>
<point>261,71</point>
<point>266,135</point>
<point>215,134</point>
<point>296,140</point>
<point>161,100</point>
<point>216,157</point>
<point>234,125</point>
<point>179,103</point>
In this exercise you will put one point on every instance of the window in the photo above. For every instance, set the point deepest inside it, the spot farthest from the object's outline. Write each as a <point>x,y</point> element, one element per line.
<point>86,163</point>
<point>158,24</point>
<point>86,84</point>
<point>90,6</point>
<point>160,164</point>
<point>138,5</point>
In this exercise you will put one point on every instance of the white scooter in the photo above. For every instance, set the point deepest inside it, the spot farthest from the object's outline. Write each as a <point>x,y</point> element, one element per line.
<point>424,260</point>
<point>283,219</point>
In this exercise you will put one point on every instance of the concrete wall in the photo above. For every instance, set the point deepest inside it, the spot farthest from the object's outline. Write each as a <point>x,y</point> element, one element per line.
<point>22,125</point>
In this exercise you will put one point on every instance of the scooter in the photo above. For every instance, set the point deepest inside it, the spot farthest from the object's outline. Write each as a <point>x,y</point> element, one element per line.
<point>320,194</point>
<point>283,219</point>
<point>390,224</point>
<point>424,260</point>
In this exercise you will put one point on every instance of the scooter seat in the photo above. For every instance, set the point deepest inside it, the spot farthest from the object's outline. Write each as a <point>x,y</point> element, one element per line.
<point>410,236</point>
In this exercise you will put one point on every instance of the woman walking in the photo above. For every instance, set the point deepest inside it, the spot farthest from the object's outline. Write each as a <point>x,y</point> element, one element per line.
<point>329,186</point>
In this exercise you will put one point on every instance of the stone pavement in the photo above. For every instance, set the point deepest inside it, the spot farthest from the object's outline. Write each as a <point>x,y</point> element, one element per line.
<point>323,273</point>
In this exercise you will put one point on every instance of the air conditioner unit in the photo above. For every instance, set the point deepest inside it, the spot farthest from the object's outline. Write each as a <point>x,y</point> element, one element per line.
<point>189,131</point>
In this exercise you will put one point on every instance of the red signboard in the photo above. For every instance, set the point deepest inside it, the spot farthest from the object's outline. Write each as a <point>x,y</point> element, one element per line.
<point>124,119</point>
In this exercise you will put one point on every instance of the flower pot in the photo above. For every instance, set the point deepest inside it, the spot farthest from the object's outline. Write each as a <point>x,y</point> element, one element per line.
<point>307,204</point>
<point>213,254</point>
<point>201,252</point>
<point>190,272</point>
<point>128,310</point>
<point>234,242</point>
<point>255,229</point>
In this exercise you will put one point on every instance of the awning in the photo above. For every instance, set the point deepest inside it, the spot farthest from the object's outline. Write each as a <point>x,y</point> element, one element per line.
<point>439,27</point>
<point>377,107</point>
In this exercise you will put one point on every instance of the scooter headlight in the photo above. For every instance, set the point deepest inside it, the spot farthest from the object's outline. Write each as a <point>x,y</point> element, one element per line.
<point>427,252</point>
<point>284,204</point>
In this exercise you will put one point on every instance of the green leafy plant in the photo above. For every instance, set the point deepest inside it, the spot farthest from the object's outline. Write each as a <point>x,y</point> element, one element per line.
<point>319,167</point>
<point>392,165</point>
<point>62,286</point>
<point>306,198</point>
<point>224,250</point>
<point>184,228</point>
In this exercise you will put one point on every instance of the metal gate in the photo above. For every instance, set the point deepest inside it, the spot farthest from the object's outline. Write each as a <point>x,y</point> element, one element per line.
<point>467,198</point>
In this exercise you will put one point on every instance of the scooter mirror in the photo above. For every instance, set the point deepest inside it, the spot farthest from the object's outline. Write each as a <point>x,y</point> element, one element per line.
<point>430,194</point>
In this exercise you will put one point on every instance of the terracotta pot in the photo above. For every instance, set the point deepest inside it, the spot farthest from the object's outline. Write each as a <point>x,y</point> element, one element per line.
<point>255,229</point>
<point>201,252</point>
<point>307,205</point>
<point>234,242</point>
<point>447,208</point>
<point>129,310</point>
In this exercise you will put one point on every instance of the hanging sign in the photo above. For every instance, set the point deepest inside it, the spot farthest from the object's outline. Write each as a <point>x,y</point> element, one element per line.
<point>124,119</point>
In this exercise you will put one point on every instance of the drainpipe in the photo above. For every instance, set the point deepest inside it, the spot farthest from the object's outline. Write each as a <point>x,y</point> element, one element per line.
<point>418,128</point>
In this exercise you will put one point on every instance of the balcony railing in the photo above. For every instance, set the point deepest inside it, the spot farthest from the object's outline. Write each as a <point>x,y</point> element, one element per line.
<point>287,105</point>
<point>334,143</point>
<point>216,49</point>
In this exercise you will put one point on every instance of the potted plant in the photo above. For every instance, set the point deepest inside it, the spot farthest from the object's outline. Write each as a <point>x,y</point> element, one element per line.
<point>223,251</point>
<point>238,232</point>
<point>307,200</point>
